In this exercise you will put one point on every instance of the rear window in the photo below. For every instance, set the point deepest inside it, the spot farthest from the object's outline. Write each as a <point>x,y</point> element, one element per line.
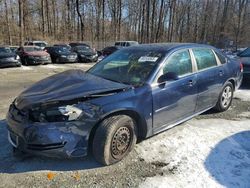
<point>221,57</point>
<point>204,58</point>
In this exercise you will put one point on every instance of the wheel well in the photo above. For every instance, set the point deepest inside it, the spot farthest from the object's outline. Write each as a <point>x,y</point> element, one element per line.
<point>232,82</point>
<point>140,125</point>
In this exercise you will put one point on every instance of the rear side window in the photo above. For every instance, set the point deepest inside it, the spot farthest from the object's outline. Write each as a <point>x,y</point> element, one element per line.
<point>179,62</point>
<point>204,58</point>
<point>221,57</point>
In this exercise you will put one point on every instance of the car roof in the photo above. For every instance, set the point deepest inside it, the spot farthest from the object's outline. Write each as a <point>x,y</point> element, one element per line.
<point>37,41</point>
<point>165,47</point>
<point>29,46</point>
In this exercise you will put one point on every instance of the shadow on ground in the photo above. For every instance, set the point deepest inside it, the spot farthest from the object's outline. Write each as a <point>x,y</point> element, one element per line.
<point>23,163</point>
<point>229,161</point>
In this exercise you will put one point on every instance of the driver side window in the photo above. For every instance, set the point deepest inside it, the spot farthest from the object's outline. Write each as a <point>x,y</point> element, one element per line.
<point>179,62</point>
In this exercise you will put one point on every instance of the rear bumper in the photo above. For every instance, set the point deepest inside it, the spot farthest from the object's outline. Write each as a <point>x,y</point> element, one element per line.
<point>57,139</point>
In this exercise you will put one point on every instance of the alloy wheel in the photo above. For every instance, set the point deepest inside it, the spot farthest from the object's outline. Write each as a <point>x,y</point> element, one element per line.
<point>226,96</point>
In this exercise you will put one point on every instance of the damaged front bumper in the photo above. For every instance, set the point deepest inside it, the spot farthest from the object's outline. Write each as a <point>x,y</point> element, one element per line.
<point>52,139</point>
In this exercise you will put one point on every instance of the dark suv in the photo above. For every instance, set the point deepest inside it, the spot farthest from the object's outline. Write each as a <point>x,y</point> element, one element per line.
<point>61,54</point>
<point>85,54</point>
<point>134,93</point>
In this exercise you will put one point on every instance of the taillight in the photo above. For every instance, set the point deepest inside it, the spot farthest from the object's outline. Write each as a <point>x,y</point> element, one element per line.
<point>241,67</point>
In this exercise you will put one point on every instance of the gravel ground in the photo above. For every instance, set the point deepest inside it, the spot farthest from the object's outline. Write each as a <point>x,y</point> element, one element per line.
<point>184,156</point>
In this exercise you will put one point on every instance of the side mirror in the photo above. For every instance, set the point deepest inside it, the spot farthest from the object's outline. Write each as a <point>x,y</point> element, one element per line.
<point>167,77</point>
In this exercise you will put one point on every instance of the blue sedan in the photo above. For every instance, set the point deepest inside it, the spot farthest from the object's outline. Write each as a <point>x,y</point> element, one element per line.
<point>132,94</point>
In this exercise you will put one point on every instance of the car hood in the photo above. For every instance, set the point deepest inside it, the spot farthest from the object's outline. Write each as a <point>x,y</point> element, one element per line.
<point>6,55</point>
<point>65,86</point>
<point>37,53</point>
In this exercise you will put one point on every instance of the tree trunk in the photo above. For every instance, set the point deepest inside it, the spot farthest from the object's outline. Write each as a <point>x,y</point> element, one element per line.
<point>20,3</point>
<point>81,18</point>
<point>8,22</point>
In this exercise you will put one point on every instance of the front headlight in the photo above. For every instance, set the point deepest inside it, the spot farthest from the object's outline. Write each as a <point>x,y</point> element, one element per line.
<point>56,114</point>
<point>63,56</point>
<point>17,57</point>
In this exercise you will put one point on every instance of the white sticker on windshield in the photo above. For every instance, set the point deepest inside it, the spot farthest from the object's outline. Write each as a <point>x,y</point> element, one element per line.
<point>147,58</point>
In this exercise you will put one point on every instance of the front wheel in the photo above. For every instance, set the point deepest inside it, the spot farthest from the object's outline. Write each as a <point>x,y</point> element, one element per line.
<point>225,98</point>
<point>114,139</point>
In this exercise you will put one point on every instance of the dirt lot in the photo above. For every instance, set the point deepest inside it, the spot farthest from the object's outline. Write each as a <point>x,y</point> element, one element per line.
<point>211,150</point>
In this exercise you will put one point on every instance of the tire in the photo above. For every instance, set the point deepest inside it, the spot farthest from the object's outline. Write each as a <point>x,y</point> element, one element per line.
<point>107,148</point>
<point>225,98</point>
<point>25,62</point>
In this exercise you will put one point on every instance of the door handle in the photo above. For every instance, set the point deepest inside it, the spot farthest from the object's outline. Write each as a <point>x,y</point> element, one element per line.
<point>221,73</point>
<point>190,82</point>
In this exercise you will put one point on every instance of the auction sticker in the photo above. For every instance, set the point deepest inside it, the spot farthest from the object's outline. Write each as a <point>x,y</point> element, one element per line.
<point>147,58</point>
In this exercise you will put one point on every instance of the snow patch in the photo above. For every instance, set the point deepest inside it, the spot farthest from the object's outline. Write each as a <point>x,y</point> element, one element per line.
<point>242,94</point>
<point>25,68</point>
<point>245,114</point>
<point>200,153</point>
<point>53,66</point>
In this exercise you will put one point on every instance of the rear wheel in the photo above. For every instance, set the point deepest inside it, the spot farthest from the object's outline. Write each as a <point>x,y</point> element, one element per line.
<point>114,139</point>
<point>225,98</point>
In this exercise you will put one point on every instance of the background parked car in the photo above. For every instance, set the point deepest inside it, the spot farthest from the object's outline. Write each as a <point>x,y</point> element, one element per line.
<point>74,44</point>
<point>61,54</point>
<point>126,43</point>
<point>244,58</point>
<point>63,45</point>
<point>107,51</point>
<point>8,58</point>
<point>14,48</point>
<point>85,54</point>
<point>33,55</point>
<point>41,44</point>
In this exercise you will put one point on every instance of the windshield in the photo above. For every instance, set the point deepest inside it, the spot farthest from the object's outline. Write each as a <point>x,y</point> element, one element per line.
<point>83,49</point>
<point>62,49</point>
<point>5,50</point>
<point>62,46</point>
<point>128,66</point>
<point>40,44</point>
<point>31,49</point>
